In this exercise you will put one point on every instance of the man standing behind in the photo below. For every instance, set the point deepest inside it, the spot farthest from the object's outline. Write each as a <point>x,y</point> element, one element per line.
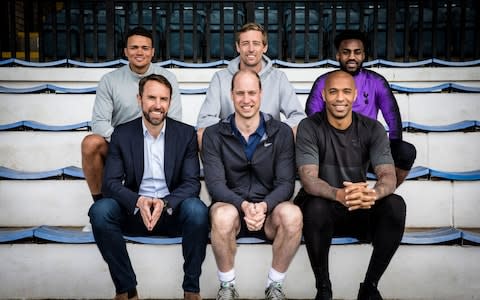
<point>333,150</point>
<point>115,103</point>
<point>374,94</point>
<point>278,93</point>
<point>151,185</point>
<point>249,166</point>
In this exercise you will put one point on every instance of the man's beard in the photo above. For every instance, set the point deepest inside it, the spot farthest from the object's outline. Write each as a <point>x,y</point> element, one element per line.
<point>343,67</point>
<point>156,121</point>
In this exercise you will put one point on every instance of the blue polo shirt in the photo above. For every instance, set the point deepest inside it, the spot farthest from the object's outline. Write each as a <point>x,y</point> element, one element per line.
<point>253,140</point>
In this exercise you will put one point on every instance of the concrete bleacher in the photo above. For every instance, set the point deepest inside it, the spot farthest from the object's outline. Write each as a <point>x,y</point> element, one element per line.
<point>429,265</point>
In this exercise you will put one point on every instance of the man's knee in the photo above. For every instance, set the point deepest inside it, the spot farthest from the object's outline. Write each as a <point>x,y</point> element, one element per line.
<point>317,215</point>
<point>394,209</point>
<point>104,211</point>
<point>224,217</point>
<point>289,216</point>
<point>404,154</point>
<point>195,211</point>
<point>315,208</point>
<point>94,144</point>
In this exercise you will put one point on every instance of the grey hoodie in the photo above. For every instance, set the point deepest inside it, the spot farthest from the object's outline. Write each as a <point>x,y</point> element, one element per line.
<point>278,95</point>
<point>116,98</point>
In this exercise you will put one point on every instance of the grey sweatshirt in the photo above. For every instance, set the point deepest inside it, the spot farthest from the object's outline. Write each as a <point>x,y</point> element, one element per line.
<point>278,95</point>
<point>116,99</point>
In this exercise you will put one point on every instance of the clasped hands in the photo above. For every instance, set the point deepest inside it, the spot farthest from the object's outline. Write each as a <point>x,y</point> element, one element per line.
<point>150,210</point>
<point>255,214</point>
<point>357,195</point>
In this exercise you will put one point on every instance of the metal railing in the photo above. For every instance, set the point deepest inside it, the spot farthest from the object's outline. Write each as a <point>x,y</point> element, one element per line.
<point>204,31</point>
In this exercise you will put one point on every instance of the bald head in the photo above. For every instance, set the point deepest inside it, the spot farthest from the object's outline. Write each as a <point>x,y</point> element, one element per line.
<point>246,72</point>
<point>338,76</point>
<point>339,94</point>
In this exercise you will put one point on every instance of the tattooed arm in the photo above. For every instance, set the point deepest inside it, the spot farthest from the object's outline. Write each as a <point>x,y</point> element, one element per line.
<point>386,180</point>
<point>316,186</point>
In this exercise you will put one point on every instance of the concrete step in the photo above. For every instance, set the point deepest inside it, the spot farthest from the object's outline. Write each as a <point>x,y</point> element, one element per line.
<point>42,151</point>
<point>446,151</point>
<point>430,203</point>
<point>67,109</point>
<point>432,109</point>
<point>66,271</point>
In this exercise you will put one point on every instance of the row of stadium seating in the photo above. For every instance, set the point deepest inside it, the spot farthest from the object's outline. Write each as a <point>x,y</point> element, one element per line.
<point>207,30</point>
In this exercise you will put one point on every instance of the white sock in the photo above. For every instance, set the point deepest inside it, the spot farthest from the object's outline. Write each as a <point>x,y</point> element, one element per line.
<point>227,277</point>
<point>275,276</point>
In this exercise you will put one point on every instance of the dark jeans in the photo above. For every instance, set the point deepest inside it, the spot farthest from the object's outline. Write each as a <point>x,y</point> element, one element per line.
<point>110,222</point>
<point>324,219</point>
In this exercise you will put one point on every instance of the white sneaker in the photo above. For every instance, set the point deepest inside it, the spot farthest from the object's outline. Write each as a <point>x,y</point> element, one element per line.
<point>227,292</point>
<point>87,228</point>
<point>274,292</point>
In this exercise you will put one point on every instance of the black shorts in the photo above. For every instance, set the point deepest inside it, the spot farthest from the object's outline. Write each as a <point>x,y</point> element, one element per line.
<point>244,232</point>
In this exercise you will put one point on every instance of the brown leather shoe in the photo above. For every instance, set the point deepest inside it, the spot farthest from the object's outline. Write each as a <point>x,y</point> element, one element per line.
<point>124,296</point>
<point>191,296</point>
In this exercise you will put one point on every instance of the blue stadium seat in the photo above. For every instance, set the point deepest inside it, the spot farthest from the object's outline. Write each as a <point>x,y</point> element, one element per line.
<point>432,236</point>
<point>468,43</point>
<point>428,32</point>
<point>213,39</point>
<point>457,176</point>
<point>380,43</point>
<point>191,42</point>
<point>341,19</point>
<point>340,24</point>
<point>9,235</point>
<point>302,32</point>
<point>63,235</point>
<point>59,48</point>
<point>89,26</point>
<point>7,173</point>
<point>471,236</point>
<point>272,26</point>
<point>44,127</point>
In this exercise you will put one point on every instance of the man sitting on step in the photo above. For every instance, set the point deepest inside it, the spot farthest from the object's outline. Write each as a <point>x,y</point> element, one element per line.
<point>115,104</point>
<point>374,94</point>
<point>333,150</point>
<point>151,186</point>
<point>249,166</point>
<point>279,96</point>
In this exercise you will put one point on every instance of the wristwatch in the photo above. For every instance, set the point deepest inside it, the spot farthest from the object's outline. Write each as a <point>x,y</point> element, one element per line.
<point>167,209</point>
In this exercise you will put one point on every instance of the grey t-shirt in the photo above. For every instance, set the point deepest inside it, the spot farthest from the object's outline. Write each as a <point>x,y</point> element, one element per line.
<point>342,155</point>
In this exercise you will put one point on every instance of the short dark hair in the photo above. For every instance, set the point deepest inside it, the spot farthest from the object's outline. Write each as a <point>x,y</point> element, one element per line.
<point>154,77</point>
<point>139,31</point>
<point>350,35</point>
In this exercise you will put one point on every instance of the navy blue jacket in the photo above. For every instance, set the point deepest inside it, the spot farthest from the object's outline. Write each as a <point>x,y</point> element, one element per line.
<point>232,178</point>
<point>124,164</point>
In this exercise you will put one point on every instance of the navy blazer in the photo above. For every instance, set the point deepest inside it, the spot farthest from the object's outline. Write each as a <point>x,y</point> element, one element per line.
<point>124,164</point>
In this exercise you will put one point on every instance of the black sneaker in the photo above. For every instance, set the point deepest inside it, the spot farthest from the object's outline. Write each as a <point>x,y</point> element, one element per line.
<point>324,291</point>
<point>368,291</point>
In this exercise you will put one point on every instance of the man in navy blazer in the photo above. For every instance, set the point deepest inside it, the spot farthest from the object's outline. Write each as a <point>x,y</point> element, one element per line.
<point>151,187</point>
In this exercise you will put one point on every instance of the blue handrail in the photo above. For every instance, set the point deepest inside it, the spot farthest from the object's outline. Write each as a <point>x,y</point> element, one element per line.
<point>172,62</point>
